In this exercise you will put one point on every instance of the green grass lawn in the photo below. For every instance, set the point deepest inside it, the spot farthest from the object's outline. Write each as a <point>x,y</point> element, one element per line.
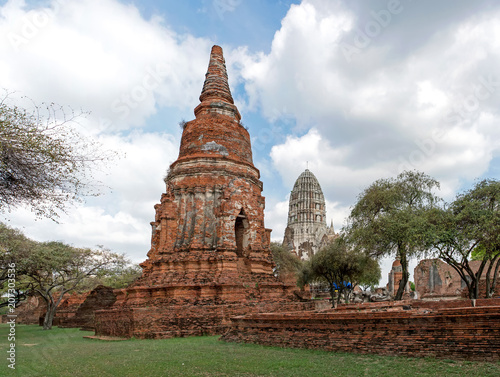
<point>64,352</point>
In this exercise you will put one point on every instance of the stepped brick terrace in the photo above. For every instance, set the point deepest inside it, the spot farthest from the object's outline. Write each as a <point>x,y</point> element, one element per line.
<point>452,329</point>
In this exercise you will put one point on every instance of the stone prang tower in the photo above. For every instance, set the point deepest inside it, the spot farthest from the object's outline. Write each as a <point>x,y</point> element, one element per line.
<point>306,231</point>
<point>210,257</point>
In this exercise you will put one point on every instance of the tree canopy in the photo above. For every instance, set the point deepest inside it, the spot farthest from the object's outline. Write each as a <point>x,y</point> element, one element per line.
<point>44,162</point>
<point>389,218</point>
<point>342,268</point>
<point>60,268</point>
<point>15,251</point>
<point>52,269</point>
<point>469,229</point>
<point>287,264</point>
<point>119,277</point>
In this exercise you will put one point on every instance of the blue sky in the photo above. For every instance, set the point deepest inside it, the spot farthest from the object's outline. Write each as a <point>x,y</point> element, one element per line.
<point>360,90</point>
<point>229,22</point>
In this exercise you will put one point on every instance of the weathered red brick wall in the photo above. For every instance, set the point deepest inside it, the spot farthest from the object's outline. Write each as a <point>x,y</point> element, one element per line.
<point>68,307</point>
<point>115,322</point>
<point>100,297</point>
<point>415,304</point>
<point>435,279</point>
<point>458,333</point>
<point>33,308</point>
<point>395,277</point>
<point>183,320</point>
<point>482,290</point>
<point>29,311</point>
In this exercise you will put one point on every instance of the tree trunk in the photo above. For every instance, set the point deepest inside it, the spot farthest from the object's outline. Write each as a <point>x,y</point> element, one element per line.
<point>339,295</point>
<point>473,288</point>
<point>490,289</point>
<point>332,295</point>
<point>472,292</point>
<point>487,292</point>
<point>51,309</point>
<point>49,316</point>
<point>477,279</point>
<point>347,296</point>
<point>495,276</point>
<point>404,279</point>
<point>462,270</point>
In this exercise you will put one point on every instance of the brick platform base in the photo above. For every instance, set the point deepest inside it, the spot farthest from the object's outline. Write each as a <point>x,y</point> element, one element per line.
<point>424,329</point>
<point>182,320</point>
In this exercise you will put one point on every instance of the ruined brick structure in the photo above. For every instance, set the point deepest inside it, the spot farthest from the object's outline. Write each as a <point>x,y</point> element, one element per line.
<point>67,308</point>
<point>395,277</point>
<point>306,231</point>
<point>209,256</point>
<point>29,311</point>
<point>100,297</point>
<point>75,309</point>
<point>32,310</point>
<point>435,279</point>
<point>445,329</point>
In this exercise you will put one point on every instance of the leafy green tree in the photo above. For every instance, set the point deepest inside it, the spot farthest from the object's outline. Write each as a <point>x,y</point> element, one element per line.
<point>61,268</point>
<point>15,251</point>
<point>469,229</point>
<point>120,277</point>
<point>52,269</point>
<point>305,274</point>
<point>412,286</point>
<point>389,218</point>
<point>287,264</point>
<point>342,268</point>
<point>44,162</point>
<point>371,273</point>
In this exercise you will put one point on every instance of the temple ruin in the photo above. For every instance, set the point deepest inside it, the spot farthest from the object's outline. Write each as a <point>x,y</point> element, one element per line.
<point>100,297</point>
<point>435,279</point>
<point>210,257</point>
<point>210,271</point>
<point>306,230</point>
<point>394,278</point>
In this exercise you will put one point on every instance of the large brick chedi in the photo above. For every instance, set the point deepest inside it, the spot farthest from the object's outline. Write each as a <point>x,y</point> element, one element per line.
<point>210,256</point>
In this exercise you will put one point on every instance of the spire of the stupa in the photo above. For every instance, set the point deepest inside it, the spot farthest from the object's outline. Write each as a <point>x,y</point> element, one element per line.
<point>216,95</point>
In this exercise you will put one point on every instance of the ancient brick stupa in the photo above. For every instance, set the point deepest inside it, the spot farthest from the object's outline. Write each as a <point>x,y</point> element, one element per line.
<point>210,256</point>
